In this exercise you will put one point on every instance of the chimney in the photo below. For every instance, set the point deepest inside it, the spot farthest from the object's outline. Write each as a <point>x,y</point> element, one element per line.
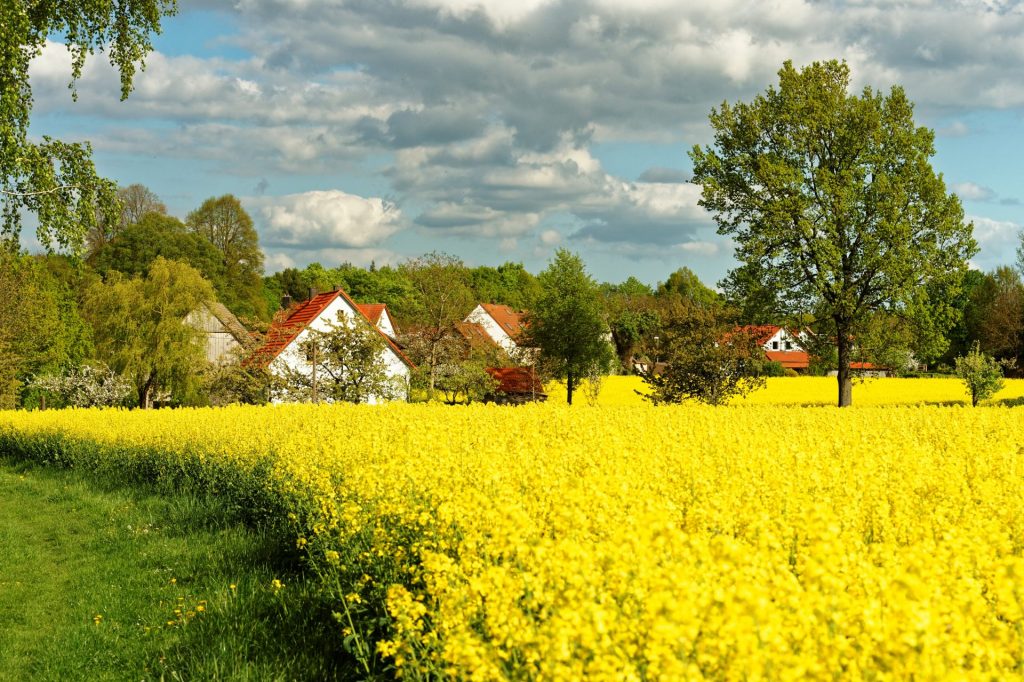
<point>286,302</point>
<point>336,287</point>
<point>312,292</point>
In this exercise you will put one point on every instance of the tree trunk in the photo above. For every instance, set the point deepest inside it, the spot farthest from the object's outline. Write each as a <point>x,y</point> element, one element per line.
<point>844,375</point>
<point>145,392</point>
<point>569,386</point>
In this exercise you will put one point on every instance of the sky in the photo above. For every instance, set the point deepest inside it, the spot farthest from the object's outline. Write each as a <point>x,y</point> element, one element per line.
<point>378,130</point>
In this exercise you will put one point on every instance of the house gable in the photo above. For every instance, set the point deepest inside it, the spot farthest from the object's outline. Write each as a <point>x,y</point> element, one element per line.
<point>499,322</point>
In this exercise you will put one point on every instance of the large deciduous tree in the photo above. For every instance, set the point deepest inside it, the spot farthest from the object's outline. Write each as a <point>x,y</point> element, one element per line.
<point>141,332</point>
<point>832,202</point>
<point>443,297</point>
<point>57,180</point>
<point>137,201</point>
<point>566,323</point>
<point>225,223</point>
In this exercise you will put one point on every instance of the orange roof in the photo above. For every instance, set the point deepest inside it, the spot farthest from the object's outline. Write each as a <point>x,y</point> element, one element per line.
<point>509,320</point>
<point>761,332</point>
<point>283,332</point>
<point>790,359</point>
<point>372,310</point>
<point>475,334</point>
<point>516,380</point>
<point>865,365</point>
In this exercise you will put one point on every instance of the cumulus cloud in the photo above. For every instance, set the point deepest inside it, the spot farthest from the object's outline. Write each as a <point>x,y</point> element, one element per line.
<point>483,114</point>
<point>325,220</point>
<point>998,240</point>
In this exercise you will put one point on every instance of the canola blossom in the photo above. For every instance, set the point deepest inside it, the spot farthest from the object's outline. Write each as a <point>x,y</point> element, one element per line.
<point>630,542</point>
<point>813,391</point>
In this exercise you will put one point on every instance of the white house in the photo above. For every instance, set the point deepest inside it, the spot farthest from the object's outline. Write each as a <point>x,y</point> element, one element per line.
<point>502,324</point>
<point>280,352</point>
<point>379,315</point>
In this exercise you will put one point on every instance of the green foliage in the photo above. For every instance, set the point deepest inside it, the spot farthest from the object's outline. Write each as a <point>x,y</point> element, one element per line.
<point>832,202</point>
<point>140,329</point>
<point>136,201</point>
<point>698,355</point>
<point>566,322</point>
<point>133,251</point>
<point>685,284</point>
<point>57,180</point>
<point>981,373</point>
<point>41,330</point>
<point>508,284</point>
<point>344,363</point>
<point>224,223</point>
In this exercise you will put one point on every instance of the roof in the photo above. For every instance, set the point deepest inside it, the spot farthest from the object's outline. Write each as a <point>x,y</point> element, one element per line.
<point>520,380</point>
<point>372,311</point>
<point>509,320</point>
<point>283,332</point>
<point>231,323</point>
<point>761,333</point>
<point>790,359</point>
<point>475,334</point>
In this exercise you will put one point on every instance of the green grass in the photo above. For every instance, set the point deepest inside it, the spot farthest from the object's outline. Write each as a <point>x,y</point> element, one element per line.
<point>102,583</point>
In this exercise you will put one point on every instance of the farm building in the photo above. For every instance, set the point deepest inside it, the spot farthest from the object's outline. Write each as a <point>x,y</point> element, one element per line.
<point>225,337</point>
<point>281,351</point>
<point>500,323</point>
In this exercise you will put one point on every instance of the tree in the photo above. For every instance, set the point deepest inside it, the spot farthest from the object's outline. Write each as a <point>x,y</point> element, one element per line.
<point>443,297</point>
<point>698,354</point>
<point>631,312</point>
<point>832,201</point>
<point>86,386</point>
<point>41,330</point>
<point>566,323</point>
<point>57,180</point>
<point>133,251</point>
<point>136,202</point>
<point>1000,313</point>
<point>226,225</point>
<point>140,329</point>
<point>685,284</point>
<point>981,373</point>
<point>346,363</point>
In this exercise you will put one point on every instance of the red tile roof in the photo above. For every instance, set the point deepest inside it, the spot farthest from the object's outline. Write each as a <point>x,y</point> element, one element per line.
<point>509,320</point>
<point>761,332</point>
<point>475,334</point>
<point>790,359</point>
<point>283,332</point>
<point>521,380</point>
<point>372,311</point>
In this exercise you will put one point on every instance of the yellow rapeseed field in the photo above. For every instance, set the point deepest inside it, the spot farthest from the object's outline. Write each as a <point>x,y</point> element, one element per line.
<point>823,391</point>
<point>623,542</point>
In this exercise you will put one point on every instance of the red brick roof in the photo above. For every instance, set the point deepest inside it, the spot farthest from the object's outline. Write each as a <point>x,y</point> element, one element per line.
<point>283,332</point>
<point>509,320</point>
<point>519,380</point>
<point>790,359</point>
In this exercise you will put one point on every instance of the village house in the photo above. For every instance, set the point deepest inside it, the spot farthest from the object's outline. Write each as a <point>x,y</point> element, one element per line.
<point>500,323</point>
<point>224,336</point>
<point>380,317</point>
<point>780,345</point>
<point>281,351</point>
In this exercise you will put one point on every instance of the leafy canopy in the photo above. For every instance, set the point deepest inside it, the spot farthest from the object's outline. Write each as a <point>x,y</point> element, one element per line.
<point>566,322</point>
<point>57,180</point>
<point>832,202</point>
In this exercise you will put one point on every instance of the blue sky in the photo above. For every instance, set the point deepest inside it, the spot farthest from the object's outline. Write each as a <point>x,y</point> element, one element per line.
<point>362,131</point>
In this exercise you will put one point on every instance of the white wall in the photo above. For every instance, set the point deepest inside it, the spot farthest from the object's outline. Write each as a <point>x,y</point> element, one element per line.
<point>493,329</point>
<point>291,357</point>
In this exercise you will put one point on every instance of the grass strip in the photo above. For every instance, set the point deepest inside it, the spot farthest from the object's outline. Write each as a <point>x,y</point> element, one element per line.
<point>106,582</point>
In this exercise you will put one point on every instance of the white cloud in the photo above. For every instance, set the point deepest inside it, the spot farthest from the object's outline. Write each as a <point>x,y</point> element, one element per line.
<point>998,240</point>
<point>973,191</point>
<point>325,219</point>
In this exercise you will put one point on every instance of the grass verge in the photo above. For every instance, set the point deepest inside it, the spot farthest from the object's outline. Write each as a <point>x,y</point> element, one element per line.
<point>99,582</point>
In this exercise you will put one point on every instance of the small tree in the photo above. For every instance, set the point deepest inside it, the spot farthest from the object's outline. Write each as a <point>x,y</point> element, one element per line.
<point>566,323</point>
<point>981,373</point>
<point>345,363</point>
<point>86,386</point>
<point>697,355</point>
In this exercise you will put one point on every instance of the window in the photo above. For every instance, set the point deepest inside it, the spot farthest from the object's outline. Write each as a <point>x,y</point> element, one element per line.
<point>775,345</point>
<point>789,346</point>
